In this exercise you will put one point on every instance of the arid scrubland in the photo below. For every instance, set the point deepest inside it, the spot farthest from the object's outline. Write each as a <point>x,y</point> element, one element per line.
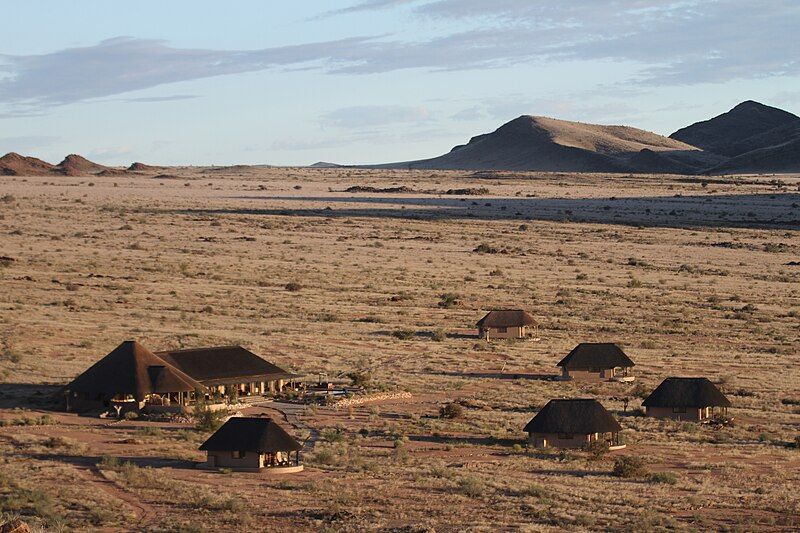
<point>694,277</point>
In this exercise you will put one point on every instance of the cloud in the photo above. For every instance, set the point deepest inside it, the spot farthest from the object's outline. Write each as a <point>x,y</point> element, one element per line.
<point>125,64</point>
<point>671,42</point>
<point>371,116</point>
<point>369,5</point>
<point>676,41</point>
<point>172,98</point>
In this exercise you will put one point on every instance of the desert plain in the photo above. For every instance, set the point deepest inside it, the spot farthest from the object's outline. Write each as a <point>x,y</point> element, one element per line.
<point>693,276</point>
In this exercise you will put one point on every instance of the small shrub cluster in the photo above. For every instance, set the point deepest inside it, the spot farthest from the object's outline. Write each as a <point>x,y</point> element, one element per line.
<point>471,486</point>
<point>451,410</point>
<point>596,450</point>
<point>662,477</point>
<point>449,300</point>
<point>628,466</point>
<point>207,419</point>
<point>44,420</point>
<point>484,248</point>
<point>403,334</point>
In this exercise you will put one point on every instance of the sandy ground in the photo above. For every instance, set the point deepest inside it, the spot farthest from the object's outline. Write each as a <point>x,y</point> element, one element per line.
<point>691,276</point>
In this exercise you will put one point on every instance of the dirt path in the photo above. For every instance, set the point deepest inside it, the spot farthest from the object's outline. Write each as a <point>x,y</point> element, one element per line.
<point>145,514</point>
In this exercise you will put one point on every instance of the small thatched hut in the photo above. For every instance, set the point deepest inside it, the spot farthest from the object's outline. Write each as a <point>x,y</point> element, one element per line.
<point>130,378</point>
<point>686,399</point>
<point>596,361</point>
<point>505,324</point>
<point>573,423</point>
<point>252,444</point>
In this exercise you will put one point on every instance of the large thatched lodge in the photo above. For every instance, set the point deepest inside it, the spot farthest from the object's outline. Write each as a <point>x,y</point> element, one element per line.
<point>132,378</point>
<point>573,423</point>
<point>253,444</point>
<point>505,324</point>
<point>596,361</point>
<point>686,399</point>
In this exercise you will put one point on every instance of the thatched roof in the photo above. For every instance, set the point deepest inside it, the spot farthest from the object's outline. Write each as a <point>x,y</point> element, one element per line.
<point>506,318</point>
<point>596,355</point>
<point>578,416</point>
<point>132,369</point>
<point>224,364</point>
<point>249,434</point>
<point>686,392</point>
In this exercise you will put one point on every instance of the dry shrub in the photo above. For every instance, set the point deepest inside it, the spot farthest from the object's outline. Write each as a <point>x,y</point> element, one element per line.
<point>628,466</point>
<point>451,410</point>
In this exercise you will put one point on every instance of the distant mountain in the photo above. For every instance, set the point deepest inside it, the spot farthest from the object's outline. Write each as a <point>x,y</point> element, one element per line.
<point>748,126</point>
<point>13,164</point>
<point>325,164</point>
<point>76,165</point>
<point>141,167</point>
<point>552,145</point>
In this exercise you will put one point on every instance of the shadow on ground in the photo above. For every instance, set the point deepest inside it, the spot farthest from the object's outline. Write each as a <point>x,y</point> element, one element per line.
<point>139,461</point>
<point>779,210</point>
<point>29,396</point>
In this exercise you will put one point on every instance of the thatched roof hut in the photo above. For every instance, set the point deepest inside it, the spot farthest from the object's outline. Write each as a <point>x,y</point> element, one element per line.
<point>251,443</point>
<point>505,324</point>
<point>223,365</point>
<point>596,355</point>
<point>596,361</point>
<point>506,318</point>
<point>578,416</point>
<point>132,370</point>
<point>252,434</point>
<point>686,392</point>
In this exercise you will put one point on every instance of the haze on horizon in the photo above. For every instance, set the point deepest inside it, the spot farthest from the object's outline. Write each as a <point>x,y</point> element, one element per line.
<point>369,81</point>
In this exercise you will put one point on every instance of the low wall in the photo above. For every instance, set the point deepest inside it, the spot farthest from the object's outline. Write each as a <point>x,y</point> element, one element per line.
<point>359,400</point>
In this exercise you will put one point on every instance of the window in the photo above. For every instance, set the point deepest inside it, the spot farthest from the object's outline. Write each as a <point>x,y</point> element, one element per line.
<point>678,409</point>
<point>237,454</point>
<point>502,330</point>
<point>566,436</point>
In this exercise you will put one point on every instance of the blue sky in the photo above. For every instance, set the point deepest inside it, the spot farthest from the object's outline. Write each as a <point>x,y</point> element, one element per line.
<point>366,81</point>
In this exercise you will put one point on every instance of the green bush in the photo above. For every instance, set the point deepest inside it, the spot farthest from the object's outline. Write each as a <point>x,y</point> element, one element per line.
<point>332,435</point>
<point>472,487</point>
<point>206,419</point>
<point>662,477</point>
<point>449,300</point>
<point>628,466</point>
<point>451,410</point>
<point>596,450</point>
<point>360,378</point>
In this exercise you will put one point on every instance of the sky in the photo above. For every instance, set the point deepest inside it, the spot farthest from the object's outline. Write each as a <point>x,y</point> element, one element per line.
<point>371,81</point>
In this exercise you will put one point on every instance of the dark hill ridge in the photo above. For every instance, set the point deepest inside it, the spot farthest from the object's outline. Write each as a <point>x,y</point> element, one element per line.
<point>751,137</point>
<point>748,126</point>
<point>552,145</point>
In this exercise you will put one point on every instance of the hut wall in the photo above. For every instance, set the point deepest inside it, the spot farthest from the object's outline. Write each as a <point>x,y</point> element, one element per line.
<point>509,333</point>
<point>692,413</point>
<point>587,375</point>
<point>251,460</point>
<point>555,440</point>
